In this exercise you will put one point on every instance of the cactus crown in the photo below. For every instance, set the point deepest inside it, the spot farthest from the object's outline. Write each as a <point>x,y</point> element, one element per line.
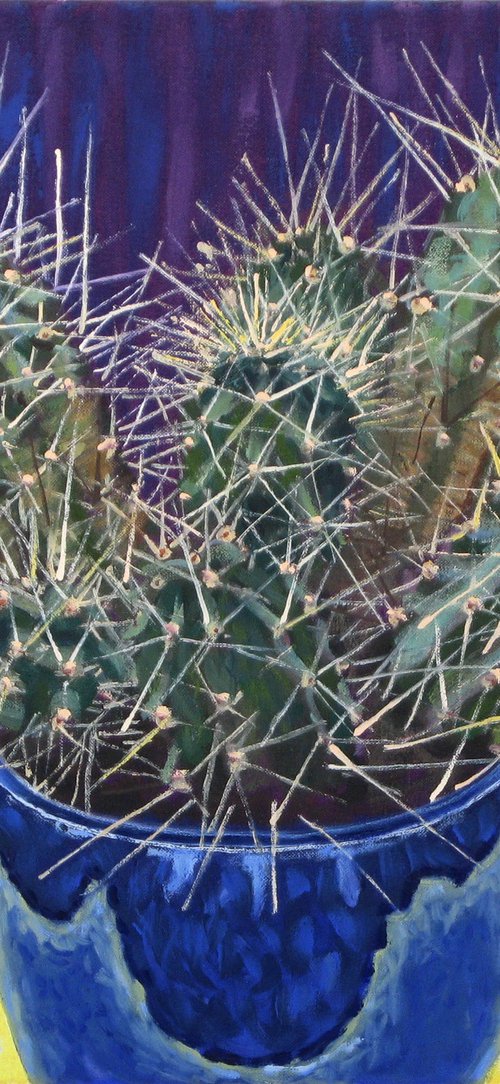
<point>309,621</point>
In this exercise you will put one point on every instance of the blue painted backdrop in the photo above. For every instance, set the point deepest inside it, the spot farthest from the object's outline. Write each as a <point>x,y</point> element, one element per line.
<point>176,92</point>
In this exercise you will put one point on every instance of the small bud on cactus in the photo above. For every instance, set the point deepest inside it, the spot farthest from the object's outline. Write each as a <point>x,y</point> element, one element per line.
<point>396,615</point>
<point>4,598</point>
<point>46,335</point>
<point>69,668</point>
<point>311,273</point>
<point>210,578</point>
<point>347,243</point>
<point>236,758</point>
<point>307,680</point>
<point>430,570</point>
<point>473,604</point>
<point>420,306</point>
<point>476,363</point>
<point>287,568</point>
<point>163,716</point>
<point>108,445</point>
<point>61,718</point>
<point>466,184</point>
<point>443,439</point>
<point>491,678</point>
<point>388,301</point>
<point>72,607</point>
<point>179,782</point>
<point>222,699</point>
<point>309,445</point>
<point>104,696</point>
<point>226,534</point>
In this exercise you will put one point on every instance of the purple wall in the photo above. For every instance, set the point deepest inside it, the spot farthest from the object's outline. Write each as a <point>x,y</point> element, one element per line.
<point>176,92</point>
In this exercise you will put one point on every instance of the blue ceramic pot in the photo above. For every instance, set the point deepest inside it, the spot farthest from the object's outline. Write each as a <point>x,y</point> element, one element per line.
<point>367,954</point>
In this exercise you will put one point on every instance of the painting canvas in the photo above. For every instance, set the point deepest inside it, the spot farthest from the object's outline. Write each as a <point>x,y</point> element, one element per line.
<point>249,542</point>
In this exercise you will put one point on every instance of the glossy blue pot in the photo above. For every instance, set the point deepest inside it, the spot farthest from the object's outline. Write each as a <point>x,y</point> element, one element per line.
<point>365,955</point>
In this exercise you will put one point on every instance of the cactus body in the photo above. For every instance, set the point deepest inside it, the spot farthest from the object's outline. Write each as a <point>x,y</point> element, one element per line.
<point>452,355</point>
<point>320,591</point>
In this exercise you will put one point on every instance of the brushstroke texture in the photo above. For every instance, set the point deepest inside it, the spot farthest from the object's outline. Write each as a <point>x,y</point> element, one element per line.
<point>228,974</point>
<point>430,1014</point>
<point>177,92</point>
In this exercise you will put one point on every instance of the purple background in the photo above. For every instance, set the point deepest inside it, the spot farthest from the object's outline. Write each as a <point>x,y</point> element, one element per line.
<point>176,92</point>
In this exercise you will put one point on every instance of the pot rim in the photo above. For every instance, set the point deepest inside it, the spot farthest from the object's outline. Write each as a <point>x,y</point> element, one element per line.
<point>357,833</point>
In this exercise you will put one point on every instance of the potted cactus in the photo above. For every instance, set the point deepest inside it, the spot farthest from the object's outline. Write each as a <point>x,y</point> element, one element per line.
<point>249,794</point>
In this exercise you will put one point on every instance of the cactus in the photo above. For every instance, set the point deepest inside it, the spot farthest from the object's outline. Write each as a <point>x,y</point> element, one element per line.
<point>256,543</point>
<point>452,354</point>
<point>59,527</point>
<point>437,690</point>
<point>260,549</point>
<point>318,593</point>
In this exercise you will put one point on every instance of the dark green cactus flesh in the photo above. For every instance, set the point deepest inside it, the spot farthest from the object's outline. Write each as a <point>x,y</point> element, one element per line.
<point>59,529</point>
<point>454,350</point>
<point>310,622</point>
